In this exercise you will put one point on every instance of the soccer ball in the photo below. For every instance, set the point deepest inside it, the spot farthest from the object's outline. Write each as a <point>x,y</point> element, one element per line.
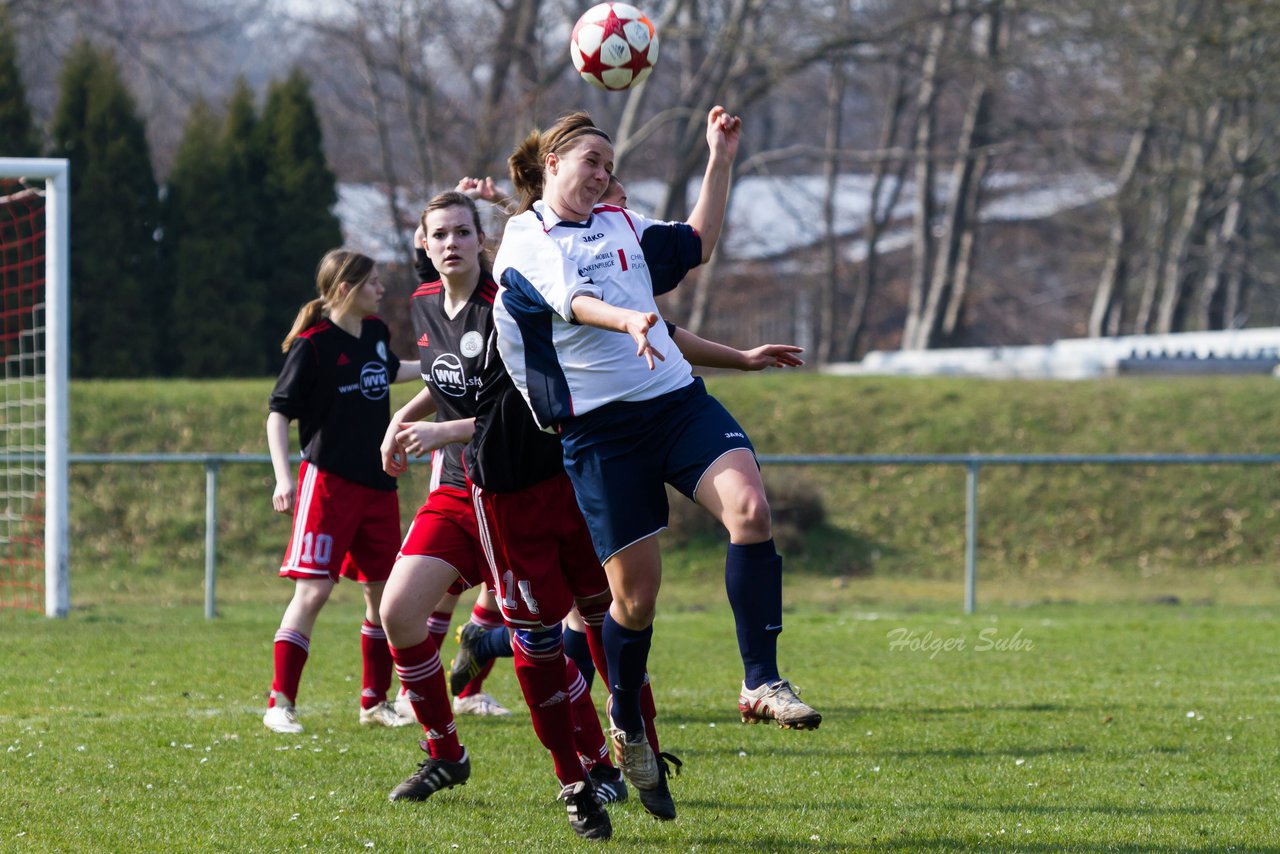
<point>613,46</point>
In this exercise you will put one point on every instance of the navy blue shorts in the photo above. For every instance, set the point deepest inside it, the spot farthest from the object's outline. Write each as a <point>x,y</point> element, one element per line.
<point>621,455</point>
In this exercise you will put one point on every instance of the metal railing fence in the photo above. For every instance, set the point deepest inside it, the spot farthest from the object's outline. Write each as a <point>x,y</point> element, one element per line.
<point>972,463</point>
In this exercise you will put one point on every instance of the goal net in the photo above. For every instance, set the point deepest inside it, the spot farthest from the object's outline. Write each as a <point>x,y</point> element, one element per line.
<point>34,246</point>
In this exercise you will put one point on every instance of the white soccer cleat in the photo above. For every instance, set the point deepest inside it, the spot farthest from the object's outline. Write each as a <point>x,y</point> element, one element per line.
<point>778,702</point>
<point>282,718</point>
<point>481,705</point>
<point>384,714</point>
<point>404,708</point>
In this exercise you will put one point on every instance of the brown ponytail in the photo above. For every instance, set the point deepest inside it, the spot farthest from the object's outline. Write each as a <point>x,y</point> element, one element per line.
<point>337,266</point>
<point>527,163</point>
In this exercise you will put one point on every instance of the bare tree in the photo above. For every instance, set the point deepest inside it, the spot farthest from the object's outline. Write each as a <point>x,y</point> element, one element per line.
<point>922,225</point>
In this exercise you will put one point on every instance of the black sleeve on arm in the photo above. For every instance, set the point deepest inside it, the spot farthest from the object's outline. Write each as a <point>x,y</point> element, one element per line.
<point>293,389</point>
<point>671,250</point>
<point>422,265</point>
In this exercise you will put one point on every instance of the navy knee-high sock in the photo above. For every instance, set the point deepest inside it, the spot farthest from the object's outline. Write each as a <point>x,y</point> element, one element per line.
<point>627,652</point>
<point>575,646</point>
<point>753,580</point>
<point>495,643</point>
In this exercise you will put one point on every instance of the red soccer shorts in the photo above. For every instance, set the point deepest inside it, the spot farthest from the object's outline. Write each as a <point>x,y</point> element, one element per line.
<point>539,551</point>
<point>445,529</point>
<point>341,528</point>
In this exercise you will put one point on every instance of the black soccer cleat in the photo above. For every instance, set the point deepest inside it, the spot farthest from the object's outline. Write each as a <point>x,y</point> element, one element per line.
<point>432,776</point>
<point>586,816</point>
<point>657,800</point>
<point>465,665</point>
<point>609,785</point>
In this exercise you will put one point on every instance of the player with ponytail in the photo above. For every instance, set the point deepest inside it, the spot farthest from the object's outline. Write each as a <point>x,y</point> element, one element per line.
<point>580,334</point>
<point>346,519</point>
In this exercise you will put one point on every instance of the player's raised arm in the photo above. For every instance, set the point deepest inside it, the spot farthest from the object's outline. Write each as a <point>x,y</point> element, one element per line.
<point>724,132</point>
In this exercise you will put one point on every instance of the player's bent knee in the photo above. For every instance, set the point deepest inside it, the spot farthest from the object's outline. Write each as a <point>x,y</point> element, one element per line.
<point>750,519</point>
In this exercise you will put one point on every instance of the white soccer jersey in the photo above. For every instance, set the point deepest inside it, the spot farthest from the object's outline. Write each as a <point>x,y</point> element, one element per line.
<point>564,368</point>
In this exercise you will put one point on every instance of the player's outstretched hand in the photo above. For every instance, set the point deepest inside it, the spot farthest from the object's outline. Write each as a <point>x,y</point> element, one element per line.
<point>282,499</point>
<point>638,325</point>
<point>394,460</point>
<point>772,356</point>
<point>480,188</point>
<point>724,132</point>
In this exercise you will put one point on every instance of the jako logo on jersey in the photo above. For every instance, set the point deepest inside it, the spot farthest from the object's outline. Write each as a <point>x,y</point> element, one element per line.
<point>471,344</point>
<point>446,373</point>
<point>382,350</point>
<point>592,238</point>
<point>734,436</point>
<point>374,382</point>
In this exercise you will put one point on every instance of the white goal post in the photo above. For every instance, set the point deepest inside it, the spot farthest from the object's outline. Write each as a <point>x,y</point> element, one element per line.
<point>45,458</point>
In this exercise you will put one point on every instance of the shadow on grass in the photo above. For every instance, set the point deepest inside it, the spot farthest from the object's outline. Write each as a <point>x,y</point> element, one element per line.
<point>971,753</point>
<point>915,843</point>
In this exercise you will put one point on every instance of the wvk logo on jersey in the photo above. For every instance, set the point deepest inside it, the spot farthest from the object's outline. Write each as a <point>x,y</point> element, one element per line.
<point>374,382</point>
<point>448,375</point>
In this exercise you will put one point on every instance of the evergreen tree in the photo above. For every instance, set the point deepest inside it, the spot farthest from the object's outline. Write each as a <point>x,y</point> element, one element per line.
<point>117,298</point>
<point>299,193</point>
<point>206,256</point>
<point>245,168</point>
<point>18,134</point>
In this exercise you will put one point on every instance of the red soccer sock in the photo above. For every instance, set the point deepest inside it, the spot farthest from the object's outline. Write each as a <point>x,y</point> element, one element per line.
<point>476,685</point>
<point>649,712</point>
<point>290,651</point>
<point>542,679</point>
<point>375,657</point>
<point>593,627</point>
<point>487,619</point>
<point>588,737</point>
<point>438,627</point>
<point>422,676</point>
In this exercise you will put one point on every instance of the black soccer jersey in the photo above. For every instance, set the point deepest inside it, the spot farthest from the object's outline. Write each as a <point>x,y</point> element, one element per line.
<point>452,353</point>
<point>338,388</point>
<point>508,451</point>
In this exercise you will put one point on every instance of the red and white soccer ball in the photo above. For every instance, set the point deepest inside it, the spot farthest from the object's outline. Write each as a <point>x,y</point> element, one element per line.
<point>614,46</point>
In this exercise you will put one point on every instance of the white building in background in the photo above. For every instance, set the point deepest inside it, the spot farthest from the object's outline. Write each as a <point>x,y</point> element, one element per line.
<point>1237,351</point>
<point>772,218</point>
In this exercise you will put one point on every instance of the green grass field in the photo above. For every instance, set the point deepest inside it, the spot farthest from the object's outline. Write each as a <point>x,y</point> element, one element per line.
<point>1047,728</point>
<point>1117,689</point>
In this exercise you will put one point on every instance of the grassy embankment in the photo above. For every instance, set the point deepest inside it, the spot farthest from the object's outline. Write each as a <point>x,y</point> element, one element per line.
<point>890,533</point>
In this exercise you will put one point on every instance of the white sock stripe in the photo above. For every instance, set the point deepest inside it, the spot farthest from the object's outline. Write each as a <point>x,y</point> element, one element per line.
<point>375,632</point>
<point>294,637</point>
<point>437,626</point>
<point>418,672</point>
<point>577,688</point>
<point>550,655</point>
